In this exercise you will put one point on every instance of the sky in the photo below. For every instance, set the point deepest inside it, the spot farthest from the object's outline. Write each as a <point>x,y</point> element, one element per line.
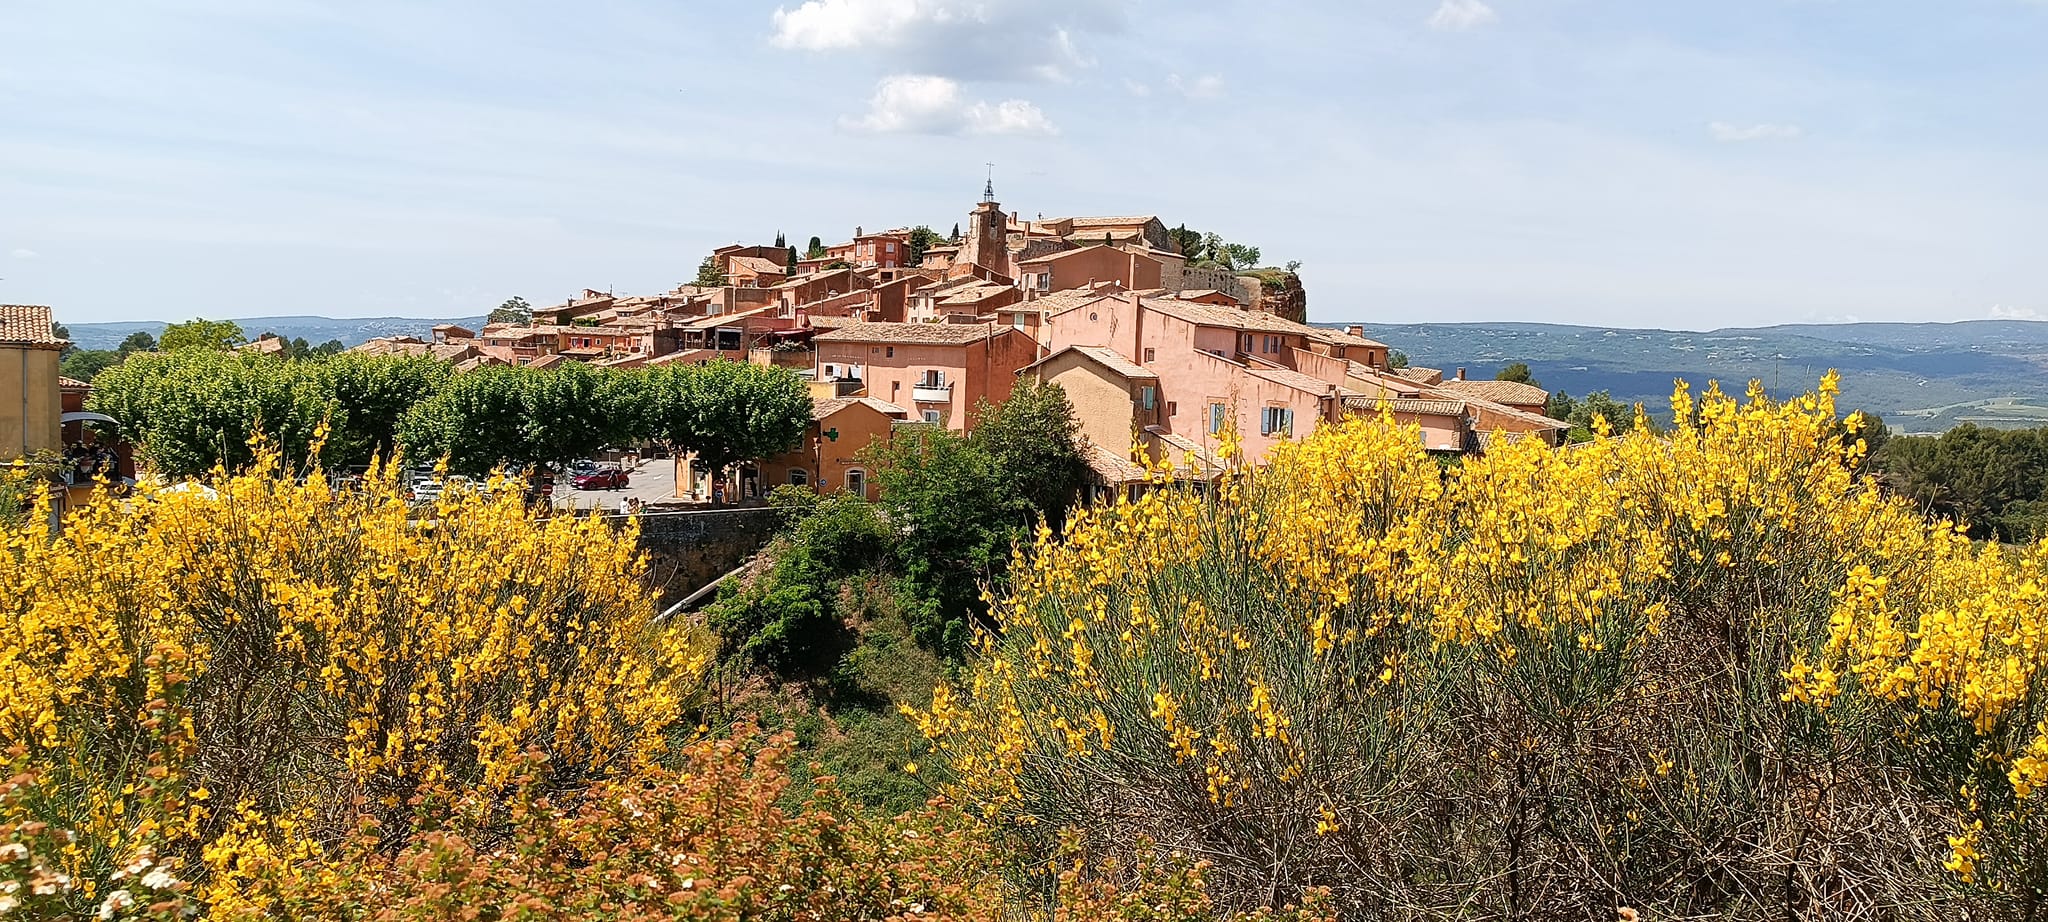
<point>1608,162</point>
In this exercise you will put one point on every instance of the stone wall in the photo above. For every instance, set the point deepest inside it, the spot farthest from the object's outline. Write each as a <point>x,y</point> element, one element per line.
<point>686,550</point>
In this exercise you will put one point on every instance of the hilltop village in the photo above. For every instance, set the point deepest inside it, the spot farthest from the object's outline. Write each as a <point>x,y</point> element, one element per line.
<point>1155,352</point>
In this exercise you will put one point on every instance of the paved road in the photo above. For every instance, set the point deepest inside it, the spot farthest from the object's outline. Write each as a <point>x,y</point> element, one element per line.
<point>653,480</point>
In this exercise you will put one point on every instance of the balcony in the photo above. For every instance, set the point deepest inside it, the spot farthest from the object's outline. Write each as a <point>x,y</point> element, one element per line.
<point>929,392</point>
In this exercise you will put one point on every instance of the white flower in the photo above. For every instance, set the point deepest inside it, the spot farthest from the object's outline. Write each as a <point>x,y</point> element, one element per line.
<point>159,879</point>
<point>13,851</point>
<point>115,902</point>
<point>7,903</point>
<point>690,883</point>
<point>785,888</point>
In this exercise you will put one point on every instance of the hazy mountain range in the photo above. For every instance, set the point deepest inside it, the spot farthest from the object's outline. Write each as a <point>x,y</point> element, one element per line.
<point>1921,377</point>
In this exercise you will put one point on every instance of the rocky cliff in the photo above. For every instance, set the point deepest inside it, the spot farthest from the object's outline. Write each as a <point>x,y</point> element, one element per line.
<point>1274,291</point>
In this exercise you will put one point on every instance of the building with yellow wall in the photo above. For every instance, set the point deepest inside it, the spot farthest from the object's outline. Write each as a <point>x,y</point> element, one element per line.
<point>30,401</point>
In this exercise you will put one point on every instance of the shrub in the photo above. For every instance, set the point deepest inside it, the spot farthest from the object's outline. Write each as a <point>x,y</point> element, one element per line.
<point>1709,674</point>
<point>714,838</point>
<point>215,683</point>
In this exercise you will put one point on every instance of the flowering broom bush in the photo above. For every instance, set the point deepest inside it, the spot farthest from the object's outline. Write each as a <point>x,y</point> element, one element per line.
<point>1710,674</point>
<point>714,837</point>
<point>208,688</point>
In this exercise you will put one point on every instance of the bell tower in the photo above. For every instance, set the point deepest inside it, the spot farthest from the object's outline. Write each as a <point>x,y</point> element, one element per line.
<point>985,245</point>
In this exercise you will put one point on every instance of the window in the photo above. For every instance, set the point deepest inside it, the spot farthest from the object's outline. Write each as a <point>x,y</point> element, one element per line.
<point>933,416</point>
<point>1151,355</point>
<point>1172,409</point>
<point>799,477</point>
<point>1217,414</point>
<point>1148,396</point>
<point>891,353</point>
<point>1045,283</point>
<point>831,371</point>
<point>1276,421</point>
<point>932,378</point>
<point>857,483</point>
<point>889,247</point>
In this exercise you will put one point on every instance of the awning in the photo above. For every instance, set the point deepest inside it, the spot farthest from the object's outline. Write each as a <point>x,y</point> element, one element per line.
<point>87,418</point>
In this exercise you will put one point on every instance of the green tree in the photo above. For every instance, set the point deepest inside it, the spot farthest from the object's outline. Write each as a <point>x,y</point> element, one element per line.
<point>786,619</point>
<point>199,333</point>
<point>1993,482</point>
<point>1397,359</point>
<point>1294,266</point>
<point>86,364</point>
<point>60,331</point>
<point>727,411</point>
<point>709,273</point>
<point>138,341</point>
<point>1560,406</point>
<point>1032,436</point>
<point>956,232</point>
<point>963,503</point>
<point>1188,242</point>
<point>1600,405</point>
<point>959,515</point>
<point>815,250</point>
<point>192,408</point>
<point>1240,256</point>
<point>792,260</point>
<point>370,396</point>
<point>515,310</point>
<point>922,238</point>
<point>1517,372</point>
<point>779,241</point>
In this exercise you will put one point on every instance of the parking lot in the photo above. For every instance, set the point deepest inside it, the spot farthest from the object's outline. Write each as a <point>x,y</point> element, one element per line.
<point>652,480</point>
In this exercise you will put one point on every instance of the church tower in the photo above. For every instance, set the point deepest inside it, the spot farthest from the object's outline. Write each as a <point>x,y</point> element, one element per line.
<point>984,245</point>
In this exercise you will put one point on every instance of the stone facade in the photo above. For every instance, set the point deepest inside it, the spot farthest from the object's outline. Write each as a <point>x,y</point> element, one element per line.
<point>687,550</point>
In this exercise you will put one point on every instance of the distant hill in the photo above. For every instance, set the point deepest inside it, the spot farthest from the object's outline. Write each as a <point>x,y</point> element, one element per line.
<point>1921,377</point>
<point>351,331</point>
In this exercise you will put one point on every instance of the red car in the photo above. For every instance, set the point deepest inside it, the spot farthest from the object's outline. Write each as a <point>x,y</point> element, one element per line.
<point>600,480</point>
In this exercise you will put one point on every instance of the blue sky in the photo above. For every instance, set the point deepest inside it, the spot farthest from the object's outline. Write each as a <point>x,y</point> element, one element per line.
<point>1685,165</point>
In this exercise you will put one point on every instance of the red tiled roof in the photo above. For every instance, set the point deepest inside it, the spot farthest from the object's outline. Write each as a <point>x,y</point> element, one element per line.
<point>72,384</point>
<point>953,334</point>
<point>1509,392</point>
<point>1424,406</point>
<point>27,323</point>
<point>1104,356</point>
<point>823,407</point>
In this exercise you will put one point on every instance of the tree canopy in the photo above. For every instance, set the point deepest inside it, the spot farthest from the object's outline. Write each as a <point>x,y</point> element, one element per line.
<point>1517,372</point>
<point>199,333</point>
<point>922,238</point>
<point>726,411</point>
<point>709,273</point>
<point>514,310</point>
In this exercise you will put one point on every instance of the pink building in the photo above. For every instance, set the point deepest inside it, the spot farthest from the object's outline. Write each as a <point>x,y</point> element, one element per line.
<point>937,371</point>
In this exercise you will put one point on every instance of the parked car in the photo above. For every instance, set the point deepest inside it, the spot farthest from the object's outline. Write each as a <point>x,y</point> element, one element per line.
<point>600,479</point>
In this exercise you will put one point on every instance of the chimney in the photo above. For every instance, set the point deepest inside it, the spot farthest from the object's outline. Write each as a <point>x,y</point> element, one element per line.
<point>1356,330</point>
<point>1461,374</point>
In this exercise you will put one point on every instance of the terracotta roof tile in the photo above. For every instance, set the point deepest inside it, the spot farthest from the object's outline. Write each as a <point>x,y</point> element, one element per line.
<point>72,384</point>
<point>26,323</point>
<point>1425,406</point>
<point>1107,357</point>
<point>1509,392</point>
<point>933,333</point>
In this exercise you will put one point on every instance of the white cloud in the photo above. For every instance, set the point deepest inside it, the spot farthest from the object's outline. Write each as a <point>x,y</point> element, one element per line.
<point>930,104</point>
<point>24,253</point>
<point>1208,86</point>
<point>1459,15</point>
<point>2008,312</point>
<point>1011,39</point>
<point>1762,131</point>
<point>1137,88</point>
